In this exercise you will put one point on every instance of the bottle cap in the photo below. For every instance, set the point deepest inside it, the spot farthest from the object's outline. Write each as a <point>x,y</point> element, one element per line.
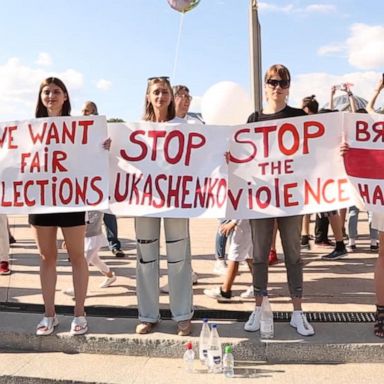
<point>205,320</point>
<point>214,325</point>
<point>228,349</point>
<point>188,345</point>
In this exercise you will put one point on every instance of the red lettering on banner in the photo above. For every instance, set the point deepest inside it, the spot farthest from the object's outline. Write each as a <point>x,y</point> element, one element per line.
<point>375,196</point>
<point>161,198</point>
<point>28,202</point>
<point>50,132</point>
<point>266,131</point>
<point>328,191</point>
<point>7,137</point>
<point>177,146</point>
<point>276,167</point>
<point>283,133</point>
<point>43,162</point>
<point>288,195</point>
<point>57,192</point>
<point>288,128</point>
<point>185,191</point>
<point>363,131</point>
<point>265,193</point>
<point>235,199</point>
<point>311,135</point>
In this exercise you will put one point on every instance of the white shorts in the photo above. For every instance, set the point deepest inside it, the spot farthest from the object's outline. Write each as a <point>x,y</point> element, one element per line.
<point>240,247</point>
<point>378,221</point>
<point>94,242</point>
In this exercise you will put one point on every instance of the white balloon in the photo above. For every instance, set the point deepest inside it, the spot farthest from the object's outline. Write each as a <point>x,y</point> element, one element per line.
<point>226,103</point>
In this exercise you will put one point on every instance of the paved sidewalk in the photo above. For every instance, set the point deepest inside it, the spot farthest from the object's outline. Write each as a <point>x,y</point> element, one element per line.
<point>339,286</point>
<point>145,370</point>
<point>343,285</point>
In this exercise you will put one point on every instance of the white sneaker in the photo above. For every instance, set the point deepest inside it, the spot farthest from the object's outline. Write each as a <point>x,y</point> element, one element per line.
<point>253,323</point>
<point>164,288</point>
<point>248,294</point>
<point>220,268</point>
<point>108,281</point>
<point>300,322</point>
<point>69,292</point>
<point>195,278</point>
<point>215,293</point>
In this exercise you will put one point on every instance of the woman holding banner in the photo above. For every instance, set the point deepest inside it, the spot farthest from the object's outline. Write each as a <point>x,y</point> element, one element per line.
<point>53,100</point>
<point>377,223</point>
<point>277,82</point>
<point>160,107</point>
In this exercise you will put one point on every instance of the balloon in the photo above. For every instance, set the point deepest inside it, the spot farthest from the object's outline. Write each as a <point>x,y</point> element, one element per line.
<point>226,103</point>
<point>183,5</point>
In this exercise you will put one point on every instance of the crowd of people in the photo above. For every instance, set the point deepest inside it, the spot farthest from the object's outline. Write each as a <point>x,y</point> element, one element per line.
<point>253,240</point>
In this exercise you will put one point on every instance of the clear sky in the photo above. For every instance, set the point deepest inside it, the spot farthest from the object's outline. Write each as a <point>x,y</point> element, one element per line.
<point>105,50</point>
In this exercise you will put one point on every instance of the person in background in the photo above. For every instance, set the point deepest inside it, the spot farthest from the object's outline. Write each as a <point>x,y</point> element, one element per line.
<point>94,239</point>
<point>110,221</point>
<point>311,106</point>
<point>377,223</point>
<point>53,100</point>
<point>337,219</point>
<point>12,239</point>
<point>277,83</point>
<point>182,103</point>
<point>240,249</point>
<point>160,108</point>
<point>4,246</point>
<point>379,87</point>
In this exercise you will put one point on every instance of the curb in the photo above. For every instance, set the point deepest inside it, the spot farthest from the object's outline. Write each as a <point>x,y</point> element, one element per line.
<point>333,342</point>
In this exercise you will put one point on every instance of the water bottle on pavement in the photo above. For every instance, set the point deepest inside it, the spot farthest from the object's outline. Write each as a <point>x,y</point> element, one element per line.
<point>214,351</point>
<point>205,334</point>
<point>189,357</point>
<point>266,320</point>
<point>228,362</point>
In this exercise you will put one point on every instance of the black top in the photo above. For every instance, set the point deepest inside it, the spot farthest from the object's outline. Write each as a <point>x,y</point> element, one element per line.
<point>284,113</point>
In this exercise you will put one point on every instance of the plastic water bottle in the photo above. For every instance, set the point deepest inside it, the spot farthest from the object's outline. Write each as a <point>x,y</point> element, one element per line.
<point>205,334</point>
<point>214,351</point>
<point>266,320</point>
<point>189,357</point>
<point>228,362</point>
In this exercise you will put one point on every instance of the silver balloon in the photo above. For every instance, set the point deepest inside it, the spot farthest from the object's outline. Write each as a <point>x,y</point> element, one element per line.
<point>183,5</point>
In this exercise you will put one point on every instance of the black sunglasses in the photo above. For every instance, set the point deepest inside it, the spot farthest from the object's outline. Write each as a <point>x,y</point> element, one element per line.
<point>274,83</point>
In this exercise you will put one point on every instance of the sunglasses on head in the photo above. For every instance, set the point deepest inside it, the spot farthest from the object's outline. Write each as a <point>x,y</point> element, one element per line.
<point>274,83</point>
<point>161,78</point>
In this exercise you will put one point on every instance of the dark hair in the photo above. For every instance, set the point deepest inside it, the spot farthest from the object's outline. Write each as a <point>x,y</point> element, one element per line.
<point>327,110</point>
<point>279,69</point>
<point>41,110</point>
<point>311,103</point>
<point>177,88</point>
<point>361,110</point>
<point>149,113</point>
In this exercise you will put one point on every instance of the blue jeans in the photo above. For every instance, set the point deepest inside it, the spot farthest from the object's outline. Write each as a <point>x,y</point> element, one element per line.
<point>221,242</point>
<point>110,223</point>
<point>353,217</point>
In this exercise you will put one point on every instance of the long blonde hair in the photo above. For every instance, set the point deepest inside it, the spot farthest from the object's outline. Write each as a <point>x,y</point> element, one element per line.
<point>149,113</point>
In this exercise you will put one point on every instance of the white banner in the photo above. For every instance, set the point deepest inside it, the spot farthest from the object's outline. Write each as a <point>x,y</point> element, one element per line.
<point>53,165</point>
<point>169,170</point>
<point>364,162</point>
<point>277,168</point>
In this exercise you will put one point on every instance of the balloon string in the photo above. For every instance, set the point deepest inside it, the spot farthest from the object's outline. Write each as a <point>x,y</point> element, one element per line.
<point>177,46</point>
